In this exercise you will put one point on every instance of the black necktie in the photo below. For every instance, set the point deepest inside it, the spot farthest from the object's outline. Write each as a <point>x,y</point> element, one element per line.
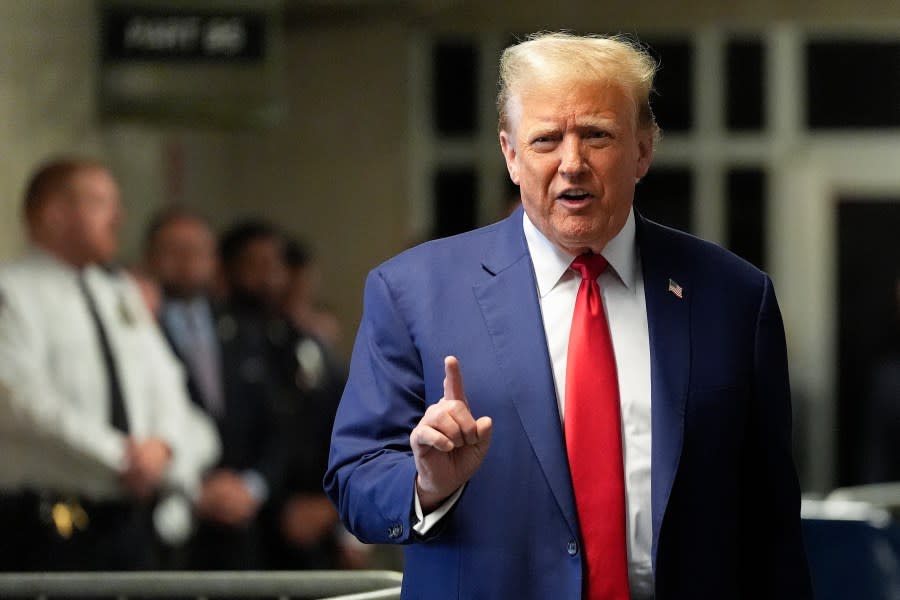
<point>118,417</point>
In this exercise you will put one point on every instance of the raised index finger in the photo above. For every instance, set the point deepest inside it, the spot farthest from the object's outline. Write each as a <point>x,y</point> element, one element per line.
<point>453,383</point>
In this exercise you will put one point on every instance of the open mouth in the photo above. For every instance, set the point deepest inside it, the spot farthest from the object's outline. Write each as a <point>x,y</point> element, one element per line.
<point>575,196</point>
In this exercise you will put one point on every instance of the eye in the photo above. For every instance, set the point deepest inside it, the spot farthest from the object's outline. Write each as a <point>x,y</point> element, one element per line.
<point>597,134</point>
<point>544,142</point>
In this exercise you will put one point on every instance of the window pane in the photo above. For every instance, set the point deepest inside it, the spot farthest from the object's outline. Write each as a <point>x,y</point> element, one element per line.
<point>665,196</point>
<point>455,88</point>
<point>868,275</point>
<point>853,84</point>
<point>745,109</point>
<point>673,102</point>
<point>746,204</point>
<point>455,194</point>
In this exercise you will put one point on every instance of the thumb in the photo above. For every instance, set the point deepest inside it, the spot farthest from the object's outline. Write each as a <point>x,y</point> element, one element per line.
<point>484,428</point>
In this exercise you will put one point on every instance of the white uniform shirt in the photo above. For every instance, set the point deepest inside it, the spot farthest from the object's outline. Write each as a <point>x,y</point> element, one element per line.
<point>622,288</point>
<point>55,431</point>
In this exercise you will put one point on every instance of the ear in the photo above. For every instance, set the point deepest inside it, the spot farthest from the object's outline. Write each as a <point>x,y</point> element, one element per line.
<point>508,147</point>
<point>48,222</point>
<point>645,151</point>
<point>55,213</point>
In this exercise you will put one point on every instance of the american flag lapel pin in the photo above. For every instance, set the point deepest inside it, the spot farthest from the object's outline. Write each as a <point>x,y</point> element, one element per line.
<point>676,289</point>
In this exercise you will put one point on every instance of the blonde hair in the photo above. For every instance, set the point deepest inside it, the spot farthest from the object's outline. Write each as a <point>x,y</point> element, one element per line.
<point>614,59</point>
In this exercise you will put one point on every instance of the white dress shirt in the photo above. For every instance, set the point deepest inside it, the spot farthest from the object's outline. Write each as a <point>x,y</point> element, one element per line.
<point>55,431</point>
<point>192,327</point>
<point>622,288</point>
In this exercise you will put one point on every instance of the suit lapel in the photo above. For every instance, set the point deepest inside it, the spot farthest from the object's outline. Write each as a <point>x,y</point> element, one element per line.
<point>191,383</point>
<point>668,318</point>
<point>511,311</point>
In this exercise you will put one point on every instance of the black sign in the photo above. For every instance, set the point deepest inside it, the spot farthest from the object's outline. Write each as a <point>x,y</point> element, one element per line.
<point>183,36</point>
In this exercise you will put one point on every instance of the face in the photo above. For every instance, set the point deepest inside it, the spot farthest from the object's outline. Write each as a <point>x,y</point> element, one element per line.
<point>182,257</point>
<point>575,152</point>
<point>91,215</point>
<point>260,271</point>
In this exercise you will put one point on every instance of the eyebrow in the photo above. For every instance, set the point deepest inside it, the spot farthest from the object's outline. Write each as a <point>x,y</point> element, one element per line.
<point>582,124</point>
<point>596,121</point>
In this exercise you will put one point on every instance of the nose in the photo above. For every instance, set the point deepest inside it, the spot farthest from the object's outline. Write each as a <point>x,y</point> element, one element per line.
<point>571,160</point>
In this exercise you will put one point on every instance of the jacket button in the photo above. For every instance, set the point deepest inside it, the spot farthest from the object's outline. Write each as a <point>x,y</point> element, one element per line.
<point>572,547</point>
<point>395,531</point>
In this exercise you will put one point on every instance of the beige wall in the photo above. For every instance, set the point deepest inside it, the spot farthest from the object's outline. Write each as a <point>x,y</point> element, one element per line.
<point>47,80</point>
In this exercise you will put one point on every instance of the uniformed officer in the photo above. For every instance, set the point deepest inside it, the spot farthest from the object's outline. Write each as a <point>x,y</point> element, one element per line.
<point>300,523</point>
<point>95,423</point>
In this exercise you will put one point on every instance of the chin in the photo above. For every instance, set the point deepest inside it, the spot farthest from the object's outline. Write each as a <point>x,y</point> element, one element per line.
<point>106,257</point>
<point>582,234</point>
<point>580,240</point>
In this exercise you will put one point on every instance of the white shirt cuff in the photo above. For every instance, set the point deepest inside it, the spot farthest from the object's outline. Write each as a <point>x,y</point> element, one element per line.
<point>257,485</point>
<point>427,522</point>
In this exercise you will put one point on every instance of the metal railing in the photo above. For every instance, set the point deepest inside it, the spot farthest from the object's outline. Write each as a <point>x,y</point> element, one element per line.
<point>882,495</point>
<point>277,585</point>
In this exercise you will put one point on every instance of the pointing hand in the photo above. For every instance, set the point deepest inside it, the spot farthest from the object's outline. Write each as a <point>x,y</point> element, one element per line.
<point>448,444</point>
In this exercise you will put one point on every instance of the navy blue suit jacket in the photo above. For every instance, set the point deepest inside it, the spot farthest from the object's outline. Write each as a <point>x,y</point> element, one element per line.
<point>725,498</point>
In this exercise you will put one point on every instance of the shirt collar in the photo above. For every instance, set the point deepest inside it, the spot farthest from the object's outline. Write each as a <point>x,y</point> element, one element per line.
<point>180,309</point>
<point>551,262</point>
<point>43,256</point>
<point>48,260</point>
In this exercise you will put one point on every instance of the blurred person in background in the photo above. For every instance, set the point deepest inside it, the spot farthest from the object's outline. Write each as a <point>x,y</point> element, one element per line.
<point>301,530</point>
<point>301,301</point>
<point>95,422</point>
<point>882,420</point>
<point>229,364</point>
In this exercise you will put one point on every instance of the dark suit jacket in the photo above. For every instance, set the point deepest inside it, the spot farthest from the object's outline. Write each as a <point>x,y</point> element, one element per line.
<point>725,498</point>
<point>252,428</point>
<point>281,389</point>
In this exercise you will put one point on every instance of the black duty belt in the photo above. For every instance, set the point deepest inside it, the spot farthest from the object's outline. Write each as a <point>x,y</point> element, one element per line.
<point>67,513</point>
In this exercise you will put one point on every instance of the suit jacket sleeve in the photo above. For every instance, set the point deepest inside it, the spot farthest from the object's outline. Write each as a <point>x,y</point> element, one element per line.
<point>776,559</point>
<point>371,474</point>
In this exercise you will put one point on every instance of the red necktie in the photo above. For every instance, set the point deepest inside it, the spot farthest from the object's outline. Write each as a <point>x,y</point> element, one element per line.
<point>594,439</point>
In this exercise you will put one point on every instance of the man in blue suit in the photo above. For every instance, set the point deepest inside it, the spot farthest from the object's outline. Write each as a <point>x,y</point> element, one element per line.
<point>699,498</point>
